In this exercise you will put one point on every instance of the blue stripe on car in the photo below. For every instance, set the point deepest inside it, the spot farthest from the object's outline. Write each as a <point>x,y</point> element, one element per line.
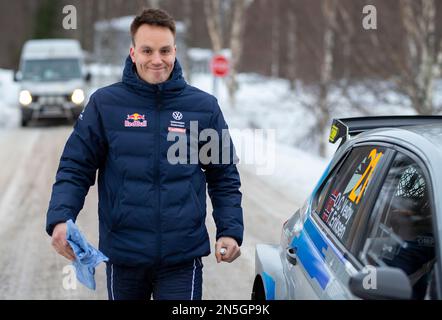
<point>321,243</point>
<point>307,246</point>
<point>269,286</point>
<point>316,237</point>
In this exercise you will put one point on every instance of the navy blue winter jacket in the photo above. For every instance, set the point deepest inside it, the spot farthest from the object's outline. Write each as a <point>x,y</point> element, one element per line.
<point>151,212</point>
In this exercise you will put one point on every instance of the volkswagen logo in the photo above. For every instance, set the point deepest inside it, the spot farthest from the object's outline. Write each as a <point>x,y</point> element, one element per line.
<point>177,115</point>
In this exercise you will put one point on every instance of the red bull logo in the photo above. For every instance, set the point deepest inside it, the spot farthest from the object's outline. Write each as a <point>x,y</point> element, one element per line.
<point>135,120</point>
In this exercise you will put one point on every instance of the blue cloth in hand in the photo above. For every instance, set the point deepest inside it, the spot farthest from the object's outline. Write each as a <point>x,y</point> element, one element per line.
<point>86,256</point>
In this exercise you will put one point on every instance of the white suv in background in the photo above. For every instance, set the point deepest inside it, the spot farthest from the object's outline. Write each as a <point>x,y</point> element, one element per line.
<point>52,79</point>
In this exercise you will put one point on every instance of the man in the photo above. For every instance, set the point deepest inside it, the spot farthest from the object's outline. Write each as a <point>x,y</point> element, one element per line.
<point>151,211</point>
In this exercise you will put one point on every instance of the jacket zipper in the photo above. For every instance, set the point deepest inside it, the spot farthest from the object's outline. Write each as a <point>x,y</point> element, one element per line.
<point>157,171</point>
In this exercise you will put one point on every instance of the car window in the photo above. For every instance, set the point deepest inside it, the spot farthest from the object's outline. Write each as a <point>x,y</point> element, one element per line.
<point>318,201</point>
<point>403,236</point>
<point>342,195</point>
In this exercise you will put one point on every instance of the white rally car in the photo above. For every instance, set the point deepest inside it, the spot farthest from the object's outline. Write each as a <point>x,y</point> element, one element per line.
<point>372,227</point>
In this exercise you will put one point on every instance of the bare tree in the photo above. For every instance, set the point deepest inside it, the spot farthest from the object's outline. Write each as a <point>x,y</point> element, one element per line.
<point>423,53</point>
<point>88,24</point>
<point>276,36</point>
<point>213,11</point>
<point>291,50</point>
<point>102,10</point>
<point>213,18</point>
<point>187,4</point>
<point>236,47</point>
<point>326,71</point>
<point>346,31</point>
<point>154,3</point>
<point>149,3</point>
<point>320,45</point>
<point>406,51</point>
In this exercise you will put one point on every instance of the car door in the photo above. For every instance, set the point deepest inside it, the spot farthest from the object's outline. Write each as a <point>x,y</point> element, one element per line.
<point>402,234</point>
<point>322,249</point>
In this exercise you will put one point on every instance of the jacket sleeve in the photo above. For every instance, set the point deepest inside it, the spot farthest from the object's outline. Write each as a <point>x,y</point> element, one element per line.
<point>83,154</point>
<point>223,183</point>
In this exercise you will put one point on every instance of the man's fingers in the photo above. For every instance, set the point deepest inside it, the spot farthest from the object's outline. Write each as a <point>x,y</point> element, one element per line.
<point>238,253</point>
<point>217,252</point>
<point>68,256</point>
<point>218,257</point>
<point>59,242</point>
<point>70,253</point>
<point>64,249</point>
<point>221,251</point>
<point>230,248</point>
<point>65,253</point>
<point>232,253</point>
<point>228,254</point>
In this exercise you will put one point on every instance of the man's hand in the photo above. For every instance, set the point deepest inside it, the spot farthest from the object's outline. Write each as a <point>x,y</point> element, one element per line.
<point>59,242</point>
<point>231,247</point>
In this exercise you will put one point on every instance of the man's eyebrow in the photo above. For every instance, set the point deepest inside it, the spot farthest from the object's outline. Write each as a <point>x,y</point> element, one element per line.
<point>162,48</point>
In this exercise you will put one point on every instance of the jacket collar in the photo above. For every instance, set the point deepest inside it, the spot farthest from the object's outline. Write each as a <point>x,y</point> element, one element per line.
<point>171,87</point>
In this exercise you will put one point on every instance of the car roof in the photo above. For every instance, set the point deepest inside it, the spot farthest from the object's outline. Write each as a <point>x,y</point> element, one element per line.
<point>409,135</point>
<point>51,48</point>
<point>431,132</point>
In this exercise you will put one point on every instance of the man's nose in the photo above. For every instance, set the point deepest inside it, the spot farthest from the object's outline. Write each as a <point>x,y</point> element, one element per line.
<point>156,58</point>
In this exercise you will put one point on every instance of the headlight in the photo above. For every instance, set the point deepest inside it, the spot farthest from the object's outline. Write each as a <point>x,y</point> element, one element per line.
<point>25,98</point>
<point>77,96</point>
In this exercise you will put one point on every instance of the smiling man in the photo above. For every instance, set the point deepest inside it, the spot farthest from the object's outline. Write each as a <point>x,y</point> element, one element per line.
<point>151,211</point>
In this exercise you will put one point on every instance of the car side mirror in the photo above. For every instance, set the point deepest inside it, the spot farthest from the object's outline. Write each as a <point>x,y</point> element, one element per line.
<point>380,284</point>
<point>17,76</point>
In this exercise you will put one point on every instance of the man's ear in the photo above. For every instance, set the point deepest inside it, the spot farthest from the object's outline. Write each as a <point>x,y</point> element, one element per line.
<point>132,53</point>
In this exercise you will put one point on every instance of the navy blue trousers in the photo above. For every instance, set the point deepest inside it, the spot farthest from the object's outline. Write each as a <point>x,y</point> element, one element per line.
<point>178,282</point>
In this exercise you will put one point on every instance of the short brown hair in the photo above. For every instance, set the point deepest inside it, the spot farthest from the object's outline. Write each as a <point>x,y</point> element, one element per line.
<point>153,17</point>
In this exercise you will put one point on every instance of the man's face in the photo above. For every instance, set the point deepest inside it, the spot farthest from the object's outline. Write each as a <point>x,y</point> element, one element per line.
<point>153,53</point>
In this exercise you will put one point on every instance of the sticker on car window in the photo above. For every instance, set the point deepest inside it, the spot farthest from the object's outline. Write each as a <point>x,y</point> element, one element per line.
<point>346,195</point>
<point>337,213</point>
<point>357,192</point>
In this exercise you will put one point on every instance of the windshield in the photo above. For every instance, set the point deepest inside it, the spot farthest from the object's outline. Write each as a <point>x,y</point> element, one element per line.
<point>51,70</point>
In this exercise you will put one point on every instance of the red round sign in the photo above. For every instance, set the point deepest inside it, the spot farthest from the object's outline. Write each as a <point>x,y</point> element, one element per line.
<point>219,66</point>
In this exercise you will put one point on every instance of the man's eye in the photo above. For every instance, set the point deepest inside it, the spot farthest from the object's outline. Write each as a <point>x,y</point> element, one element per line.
<point>165,51</point>
<point>148,51</point>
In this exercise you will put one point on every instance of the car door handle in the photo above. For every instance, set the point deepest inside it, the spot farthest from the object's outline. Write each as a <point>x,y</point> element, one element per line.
<point>291,255</point>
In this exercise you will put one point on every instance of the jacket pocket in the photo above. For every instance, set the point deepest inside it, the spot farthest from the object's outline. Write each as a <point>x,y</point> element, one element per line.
<point>116,214</point>
<point>197,202</point>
